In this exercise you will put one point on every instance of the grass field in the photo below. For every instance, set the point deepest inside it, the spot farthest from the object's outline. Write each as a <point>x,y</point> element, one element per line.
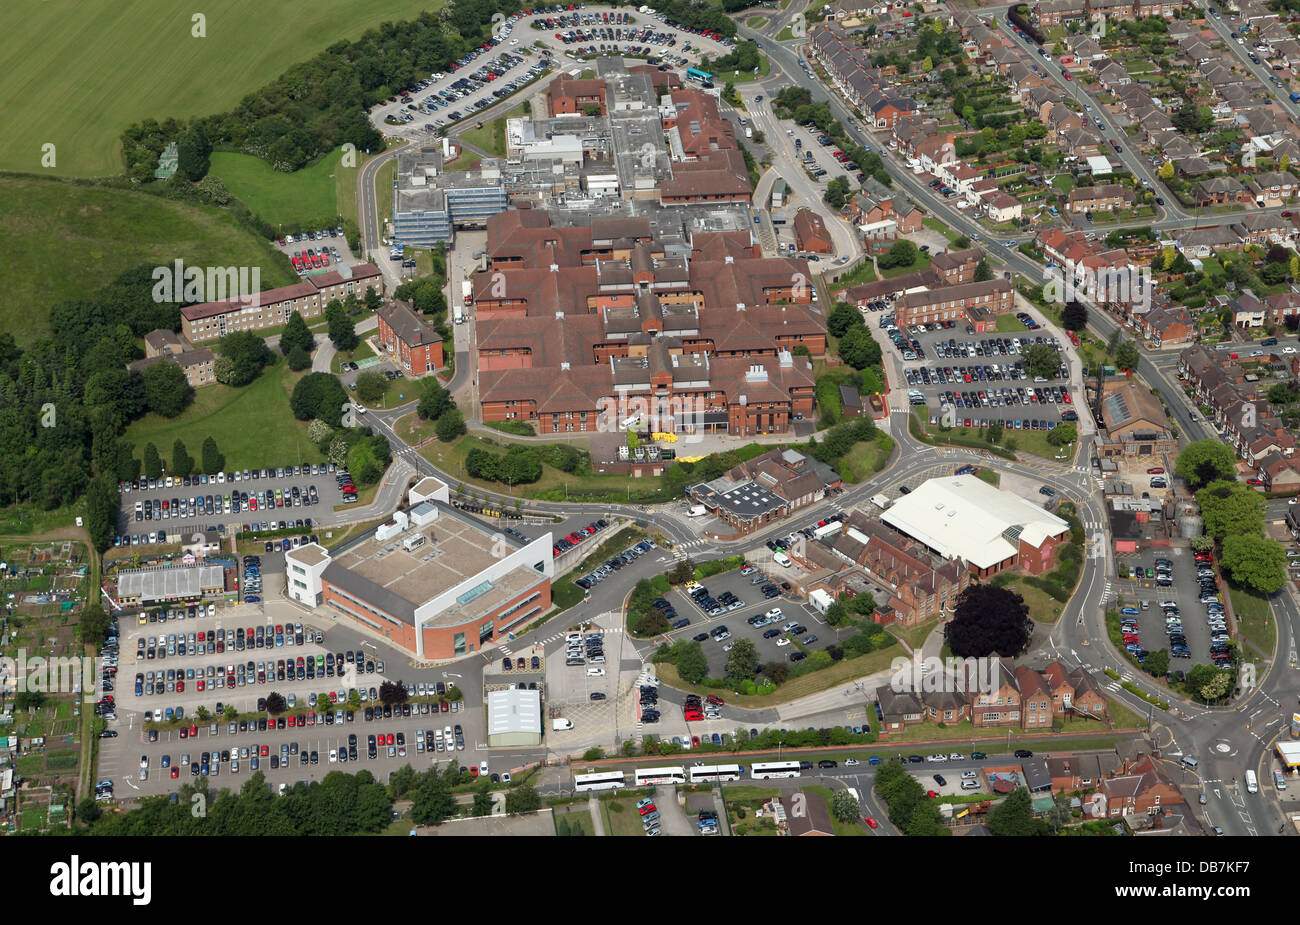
<point>63,240</point>
<point>922,262</point>
<point>1010,324</point>
<point>74,75</point>
<point>491,137</point>
<point>227,414</point>
<point>309,196</point>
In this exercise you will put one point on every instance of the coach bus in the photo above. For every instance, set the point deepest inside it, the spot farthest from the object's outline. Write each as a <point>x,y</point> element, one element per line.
<point>707,774</point>
<point>769,769</point>
<point>647,776</point>
<point>604,780</point>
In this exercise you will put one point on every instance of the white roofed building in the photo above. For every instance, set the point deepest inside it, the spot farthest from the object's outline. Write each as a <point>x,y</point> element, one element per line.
<point>992,530</point>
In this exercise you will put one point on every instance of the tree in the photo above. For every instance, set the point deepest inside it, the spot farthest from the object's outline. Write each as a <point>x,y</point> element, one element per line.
<point>1284,393</point>
<point>741,662</point>
<point>989,620</point>
<point>1201,543</point>
<point>29,700</point>
<point>297,335</point>
<point>1204,461</point>
<point>1230,508</point>
<point>482,805</point>
<point>391,692</point>
<point>1075,316</point>
<point>213,460</point>
<point>324,704</point>
<point>450,426</point>
<point>371,386</point>
<point>1127,355</point>
<point>1014,816</point>
<point>691,663</point>
<point>1041,360</point>
<point>902,253</point>
<point>88,810</point>
<point>523,799</point>
<point>299,359</point>
<point>842,317</point>
<point>193,154</point>
<point>435,401</point>
<point>318,395</point>
<point>994,432</point>
<point>247,354</point>
<point>1062,434</point>
<point>152,462</point>
<point>275,703</point>
<point>1166,171</point>
<point>343,333</point>
<point>1255,562</point>
<point>844,806</point>
<point>983,272</point>
<point>166,390</point>
<point>93,627</point>
<point>1157,663</point>
<point>182,462</point>
<point>859,349</point>
<point>433,802</point>
<point>682,572</point>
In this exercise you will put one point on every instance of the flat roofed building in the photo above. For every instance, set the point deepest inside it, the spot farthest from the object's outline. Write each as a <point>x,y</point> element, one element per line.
<point>436,582</point>
<point>993,530</point>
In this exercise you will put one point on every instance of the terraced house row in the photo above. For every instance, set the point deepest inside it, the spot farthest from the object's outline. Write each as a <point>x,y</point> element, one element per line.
<point>581,327</point>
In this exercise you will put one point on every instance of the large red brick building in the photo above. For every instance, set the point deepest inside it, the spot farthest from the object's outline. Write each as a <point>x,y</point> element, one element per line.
<point>584,328</point>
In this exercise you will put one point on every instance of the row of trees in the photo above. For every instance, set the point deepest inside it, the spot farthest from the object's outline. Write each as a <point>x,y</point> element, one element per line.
<point>211,460</point>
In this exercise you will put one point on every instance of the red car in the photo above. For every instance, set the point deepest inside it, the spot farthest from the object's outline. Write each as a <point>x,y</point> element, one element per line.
<point>1155,470</point>
<point>1254,481</point>
<point>176,772</point>
<point>185,733</point>
<point>180,687</point>
<point>695,741</point>
<point>389,740</point>
<point>931,793</point>
<point>1065,396</point>
<point>293,721</point>
<point>871,823</point>
<point>648,808</point>
<point>473,770</point>
<point>1286,214</point>
<point>715,700</point>
<point>266,750</point>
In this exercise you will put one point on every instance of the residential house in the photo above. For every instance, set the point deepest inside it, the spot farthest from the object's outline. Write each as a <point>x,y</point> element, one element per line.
<point>1143,789</point>
<point>1219,191</point>
<point>1106,197</point>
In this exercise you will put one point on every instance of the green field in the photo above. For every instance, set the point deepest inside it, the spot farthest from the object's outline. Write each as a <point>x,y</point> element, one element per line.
<point>252,425</point>
<point>1010,324</point>
<point>63,240</point>
<point>74,75</point>
<point>309,196</point>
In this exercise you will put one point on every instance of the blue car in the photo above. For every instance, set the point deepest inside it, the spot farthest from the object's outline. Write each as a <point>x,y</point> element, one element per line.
<point>717,739</point>
<point>1129,610</point>
<point>251,599</point>
<point>874,759</point>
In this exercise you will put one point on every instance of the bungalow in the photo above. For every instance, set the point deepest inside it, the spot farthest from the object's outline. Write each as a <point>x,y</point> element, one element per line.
<point>1199,243</point>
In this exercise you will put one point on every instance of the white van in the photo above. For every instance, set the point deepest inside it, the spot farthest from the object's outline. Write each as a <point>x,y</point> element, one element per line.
<point>561,724</point>
<point>881,501</point>
<point>697,510</point>
<point>1252,782</point>
<point>781,559</point>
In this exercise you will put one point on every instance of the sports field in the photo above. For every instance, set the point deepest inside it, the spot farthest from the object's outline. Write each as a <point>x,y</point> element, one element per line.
<point>63,240</point>
<point>74,74</point>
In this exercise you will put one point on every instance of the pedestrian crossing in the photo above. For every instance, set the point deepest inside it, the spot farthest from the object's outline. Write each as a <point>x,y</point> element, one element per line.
<point>506,649</point>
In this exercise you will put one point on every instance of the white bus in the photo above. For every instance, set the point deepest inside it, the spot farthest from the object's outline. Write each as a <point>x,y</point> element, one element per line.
<point>604,780</point>
<point>1252,782</point>
<point>647,776</point>
<point>714,772</point>
<point>768,769</point>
